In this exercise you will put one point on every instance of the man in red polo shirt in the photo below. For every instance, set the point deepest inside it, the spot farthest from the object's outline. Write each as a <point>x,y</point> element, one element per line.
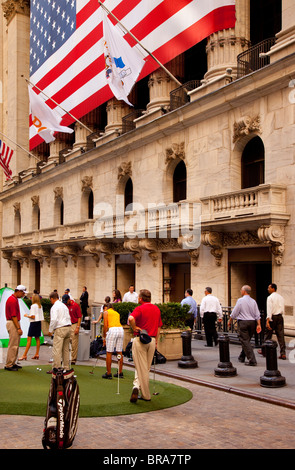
<point>76,316</point>
<point>144,317</point>
<point>12,313</point>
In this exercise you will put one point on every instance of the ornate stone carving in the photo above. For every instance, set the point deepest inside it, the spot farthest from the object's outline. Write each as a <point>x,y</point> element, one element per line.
<point>215,242</point>
<point>241,238</point>
<point>58,192</point>
<point>124,170</point>
<point>21,256</point>
<point>133,246</point>
<point>246,126</point>
<point>65,251</point>
<point>8,256</point>
<point>11,7</point>
<point>16,207</point>
<point>42,254</point>
<point>35,201</point>
<point>274,236</point>
<point>87,183</point>
<point>150,245</point>
<point>92,249</point>
<point>176,151</point>
<point>194,255</point>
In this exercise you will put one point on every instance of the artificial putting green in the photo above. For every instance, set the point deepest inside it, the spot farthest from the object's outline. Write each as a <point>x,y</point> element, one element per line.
<point>25,392</point>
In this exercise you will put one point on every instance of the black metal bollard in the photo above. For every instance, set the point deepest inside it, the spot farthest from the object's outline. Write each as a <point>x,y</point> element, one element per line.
<point>224,367</point>
<point>187,360</point>
<point>272,377</point>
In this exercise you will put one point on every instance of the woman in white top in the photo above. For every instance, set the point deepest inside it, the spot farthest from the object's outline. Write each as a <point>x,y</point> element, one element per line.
<point>35,316</point>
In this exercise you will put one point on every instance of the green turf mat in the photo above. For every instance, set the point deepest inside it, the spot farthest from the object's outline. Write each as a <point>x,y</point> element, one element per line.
<point>25,392</point>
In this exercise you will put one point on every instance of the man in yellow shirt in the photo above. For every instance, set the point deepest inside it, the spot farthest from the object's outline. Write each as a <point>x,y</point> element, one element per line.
<point>113,335</point>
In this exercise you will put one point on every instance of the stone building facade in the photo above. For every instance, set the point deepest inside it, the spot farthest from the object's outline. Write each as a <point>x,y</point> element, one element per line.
<point>215,155</point>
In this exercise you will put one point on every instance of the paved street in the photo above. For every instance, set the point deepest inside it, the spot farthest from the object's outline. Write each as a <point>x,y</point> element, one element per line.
<point>224,413</point>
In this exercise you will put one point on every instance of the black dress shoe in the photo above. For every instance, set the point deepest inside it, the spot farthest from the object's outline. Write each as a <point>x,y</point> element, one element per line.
<point>250,363</point>
<point>107,376</point>
<point>134,395</point>
<point>12,368</point>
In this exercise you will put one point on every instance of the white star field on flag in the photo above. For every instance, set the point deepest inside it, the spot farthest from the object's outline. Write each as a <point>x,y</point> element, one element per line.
<point>52,23</point>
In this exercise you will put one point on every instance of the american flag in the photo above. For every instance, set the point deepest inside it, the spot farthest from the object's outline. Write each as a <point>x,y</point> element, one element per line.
<point>66,43</point>
<point>5,157</point>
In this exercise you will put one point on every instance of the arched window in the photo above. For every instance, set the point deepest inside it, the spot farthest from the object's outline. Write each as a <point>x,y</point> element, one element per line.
<point>128,194</point>
<point>179,182</point>
<point>36,218</point>
<point>253,163</point>
<point>59,211</point>
<point>17,222</point>
<point>90,205</point>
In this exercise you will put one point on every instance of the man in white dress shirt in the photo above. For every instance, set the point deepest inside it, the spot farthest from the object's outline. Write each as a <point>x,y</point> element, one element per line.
<point>60,326</point>
<point>275,308</point>
<point>210,308</point>
<point>131,295</point>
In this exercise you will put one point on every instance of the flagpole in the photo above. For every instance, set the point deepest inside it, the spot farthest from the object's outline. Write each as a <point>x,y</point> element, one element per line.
<point>31,154</point>
<point>64,110</point>
<point>132,35</point>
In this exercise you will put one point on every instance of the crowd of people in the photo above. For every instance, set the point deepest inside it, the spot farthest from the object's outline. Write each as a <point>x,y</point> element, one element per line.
<point>145,320</point>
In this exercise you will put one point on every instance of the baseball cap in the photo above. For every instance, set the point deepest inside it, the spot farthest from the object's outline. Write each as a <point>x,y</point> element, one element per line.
<point>22,288</point>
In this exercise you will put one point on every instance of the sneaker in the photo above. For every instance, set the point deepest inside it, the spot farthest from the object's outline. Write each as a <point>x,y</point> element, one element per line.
<point>107,376</point>
<point>134,395</point>
<point>120,375</point>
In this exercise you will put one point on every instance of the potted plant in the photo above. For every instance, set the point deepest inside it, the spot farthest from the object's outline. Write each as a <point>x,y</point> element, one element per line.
<point>174,317</point>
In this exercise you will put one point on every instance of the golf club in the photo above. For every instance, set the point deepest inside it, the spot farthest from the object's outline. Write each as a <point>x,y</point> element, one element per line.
<point>155,393</point>
<point>118,390</point>
<point>91,372</point>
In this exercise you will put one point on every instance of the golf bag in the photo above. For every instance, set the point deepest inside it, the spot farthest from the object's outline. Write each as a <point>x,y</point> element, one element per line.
<point>160,359</point>
<point>61,422</point>
<point>97,347</point>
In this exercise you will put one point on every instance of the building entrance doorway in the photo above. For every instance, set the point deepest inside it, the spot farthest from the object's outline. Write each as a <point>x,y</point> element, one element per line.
<point>252,267</point>
<point>125,273</point>
<point>176,276</point>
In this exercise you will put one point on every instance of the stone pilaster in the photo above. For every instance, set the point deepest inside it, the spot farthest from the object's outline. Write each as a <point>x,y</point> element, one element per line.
<point>16,62</point>
<point>285,39</point>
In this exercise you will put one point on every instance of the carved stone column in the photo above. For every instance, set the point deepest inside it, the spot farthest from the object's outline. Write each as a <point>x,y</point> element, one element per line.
<point>116,110</point>
<point>224,46</point>
<point>160,84</point>
<point>16,45</point>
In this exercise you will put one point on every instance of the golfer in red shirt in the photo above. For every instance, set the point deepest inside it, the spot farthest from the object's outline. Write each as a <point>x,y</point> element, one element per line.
<point>76,317</point>
<point>144,317</point>
<point>15,332</point>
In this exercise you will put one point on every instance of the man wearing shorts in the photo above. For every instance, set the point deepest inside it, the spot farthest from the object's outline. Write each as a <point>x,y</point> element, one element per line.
<point>113,335</point>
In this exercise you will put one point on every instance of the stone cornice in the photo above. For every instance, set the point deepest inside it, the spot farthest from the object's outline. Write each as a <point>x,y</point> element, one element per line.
<point>11,7</point>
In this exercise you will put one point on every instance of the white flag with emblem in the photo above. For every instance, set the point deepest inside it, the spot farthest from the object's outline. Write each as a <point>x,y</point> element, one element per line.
<point>123,63</point>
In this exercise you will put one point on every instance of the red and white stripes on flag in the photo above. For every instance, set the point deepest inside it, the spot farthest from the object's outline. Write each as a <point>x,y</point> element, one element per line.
<point>5,157</point>
<point>68,54</point>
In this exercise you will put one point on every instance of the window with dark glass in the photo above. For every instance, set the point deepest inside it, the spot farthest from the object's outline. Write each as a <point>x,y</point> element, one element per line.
<point>179,182</point>
<point>128,194</point>
<point>253,163</point>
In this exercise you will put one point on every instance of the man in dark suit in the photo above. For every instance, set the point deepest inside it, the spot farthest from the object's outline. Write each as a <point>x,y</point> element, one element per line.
<point>84,302</point>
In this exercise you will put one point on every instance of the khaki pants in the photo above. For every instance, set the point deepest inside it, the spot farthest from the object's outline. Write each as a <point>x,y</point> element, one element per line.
<point>75,342</point>
<point>13,345</point>
<point>142,355</point>
<point>61,344</point>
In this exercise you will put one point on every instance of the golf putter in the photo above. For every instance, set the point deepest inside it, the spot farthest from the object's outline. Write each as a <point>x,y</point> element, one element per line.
<point>118,390</point>
<point>91,372</point>
<point>155,393</point>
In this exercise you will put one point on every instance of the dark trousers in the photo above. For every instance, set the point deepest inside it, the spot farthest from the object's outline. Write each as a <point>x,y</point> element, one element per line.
<point>246,329</point>
<point>277,325</point>
<point>209,321</point>
<point>84,310</point>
